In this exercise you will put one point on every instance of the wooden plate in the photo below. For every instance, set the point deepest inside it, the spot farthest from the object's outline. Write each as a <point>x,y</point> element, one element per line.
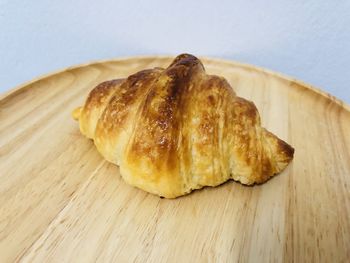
<point>60,201</point>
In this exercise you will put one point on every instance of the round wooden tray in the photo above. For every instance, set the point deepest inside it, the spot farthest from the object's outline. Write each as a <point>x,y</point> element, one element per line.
<point>60,201</point>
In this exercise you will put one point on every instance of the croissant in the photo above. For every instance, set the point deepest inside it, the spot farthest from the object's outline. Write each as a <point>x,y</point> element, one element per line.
<point>178,129</point>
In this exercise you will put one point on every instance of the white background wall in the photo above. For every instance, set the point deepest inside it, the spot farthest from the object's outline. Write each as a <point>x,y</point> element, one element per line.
<point>308,40</point>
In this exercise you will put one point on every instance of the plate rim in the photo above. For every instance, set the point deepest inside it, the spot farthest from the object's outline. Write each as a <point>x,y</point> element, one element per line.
<point>318,91</point>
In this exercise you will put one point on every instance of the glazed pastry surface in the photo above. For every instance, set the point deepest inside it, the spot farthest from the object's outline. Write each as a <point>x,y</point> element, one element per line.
<point>178,129</point>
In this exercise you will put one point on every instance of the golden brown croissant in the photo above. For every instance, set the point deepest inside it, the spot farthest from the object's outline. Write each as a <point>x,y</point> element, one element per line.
<point>178,129</point>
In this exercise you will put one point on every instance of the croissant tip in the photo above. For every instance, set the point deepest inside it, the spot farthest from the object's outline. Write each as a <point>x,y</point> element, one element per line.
<point>186,59</point>
<point>76,113</point>
<point>286,149</point>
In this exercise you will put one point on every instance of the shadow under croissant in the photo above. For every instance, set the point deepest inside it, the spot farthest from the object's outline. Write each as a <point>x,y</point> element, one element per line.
<point>217,188</point>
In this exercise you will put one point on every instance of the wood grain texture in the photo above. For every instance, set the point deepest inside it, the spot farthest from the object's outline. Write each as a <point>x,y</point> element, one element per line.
<point>61,202</point>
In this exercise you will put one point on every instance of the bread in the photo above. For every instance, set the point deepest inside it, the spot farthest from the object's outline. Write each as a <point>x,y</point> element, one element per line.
<point>178,129</point>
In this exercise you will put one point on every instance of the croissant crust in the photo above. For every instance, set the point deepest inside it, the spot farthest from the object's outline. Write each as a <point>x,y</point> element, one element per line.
<point>178,129</point>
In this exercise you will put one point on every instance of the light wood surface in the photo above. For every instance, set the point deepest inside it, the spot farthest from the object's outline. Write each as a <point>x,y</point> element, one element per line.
<point>61,202</point>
